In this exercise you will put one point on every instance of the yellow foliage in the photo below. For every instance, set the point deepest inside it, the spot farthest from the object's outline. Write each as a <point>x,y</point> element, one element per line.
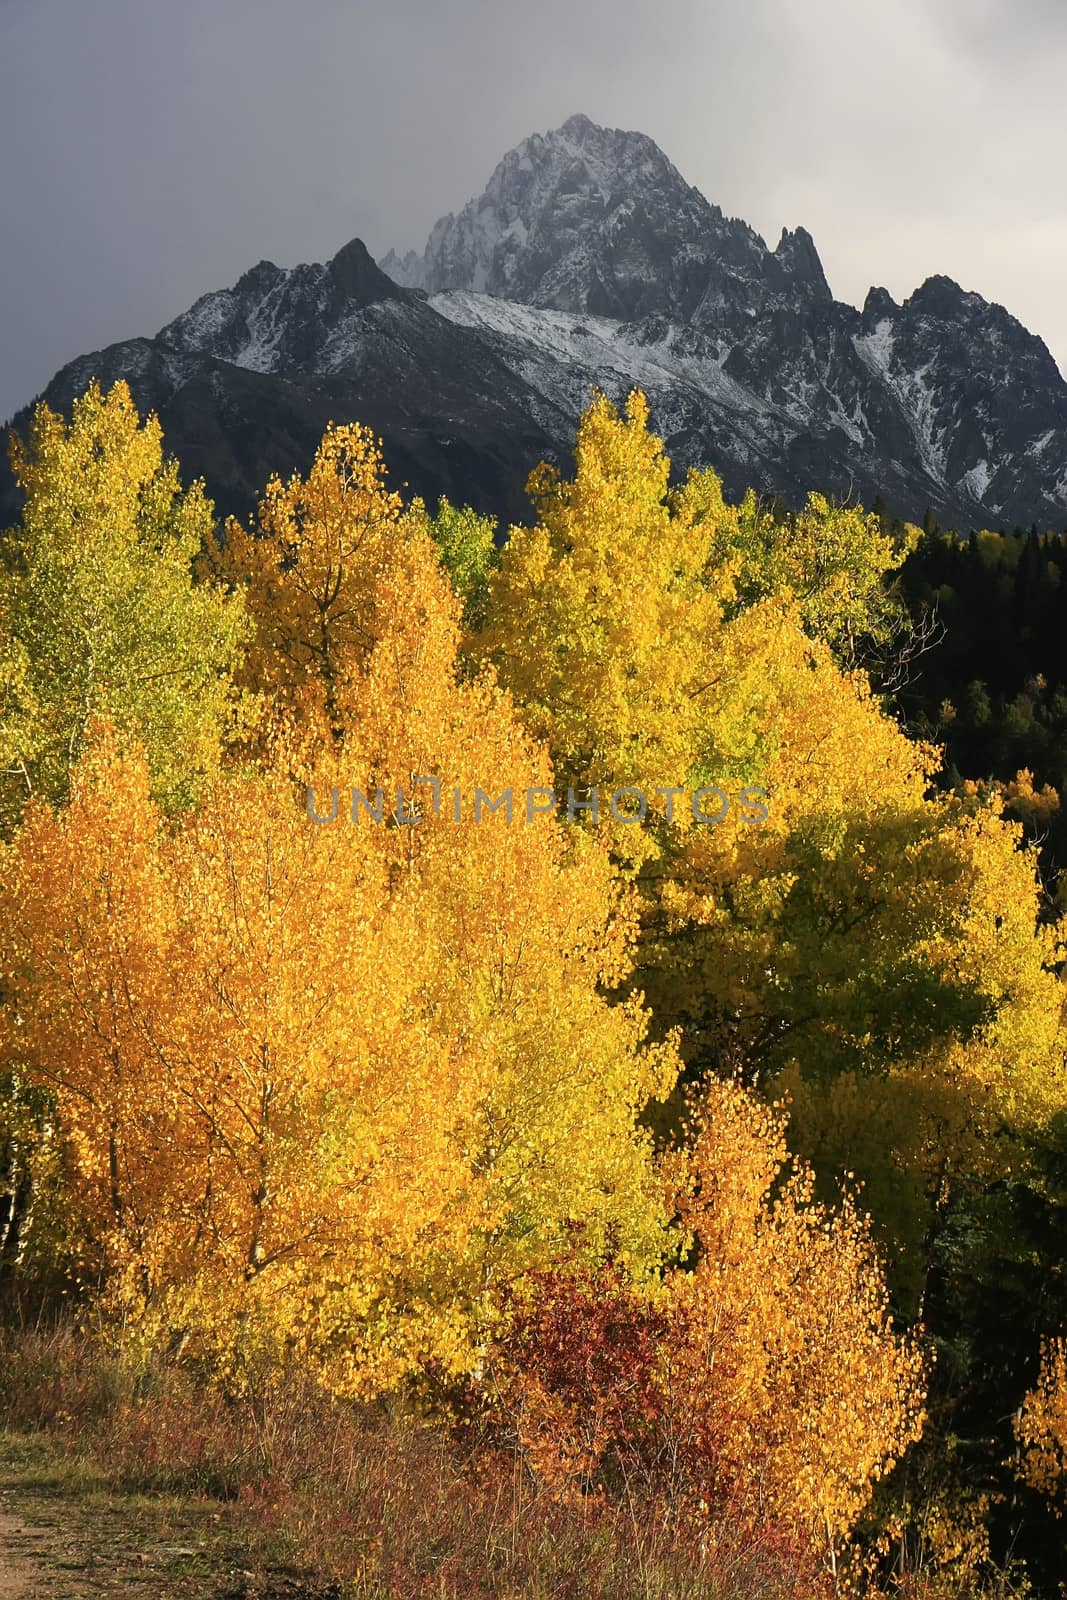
<point>866,930</point>
<point>1041,1426</point>
<point>310,568</point>
<point>332,1086</point>
<point>789,1355</point>
<point>603,617</point>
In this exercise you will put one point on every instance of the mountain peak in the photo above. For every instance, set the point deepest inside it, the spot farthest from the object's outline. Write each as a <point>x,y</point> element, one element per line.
<point>611,143</point>
<point>260,277</point>
<point>797,254</point>
<point>598,221</point>
<point>407,270</point>
<point>878,305</point>
<point>558,224</point>
<point>940,296</point>
<point>354,272</point>
<point>579,125</point>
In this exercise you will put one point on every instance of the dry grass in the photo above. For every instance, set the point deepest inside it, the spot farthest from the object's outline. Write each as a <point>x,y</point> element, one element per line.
<point>382,1502</point>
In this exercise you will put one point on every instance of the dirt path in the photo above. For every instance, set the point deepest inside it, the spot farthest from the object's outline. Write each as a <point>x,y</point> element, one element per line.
<point>64,1539</point>
<point>65,1535</point>
<point>15,1574</point>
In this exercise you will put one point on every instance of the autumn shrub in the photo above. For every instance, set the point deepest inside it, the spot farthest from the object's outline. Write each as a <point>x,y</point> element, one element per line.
<point>577,1376</point>
<point>758,1385</point>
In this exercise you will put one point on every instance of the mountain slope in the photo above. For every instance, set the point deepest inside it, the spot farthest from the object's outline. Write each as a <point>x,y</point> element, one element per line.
<point>589,260</point>
<point>245,382</point>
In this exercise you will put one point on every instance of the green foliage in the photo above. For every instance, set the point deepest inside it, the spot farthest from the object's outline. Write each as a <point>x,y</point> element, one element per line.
<point>468,552</point>
<point>833,559</point>
<point>99,611</point>
<point>30,1203</point>
<point>993,688</point>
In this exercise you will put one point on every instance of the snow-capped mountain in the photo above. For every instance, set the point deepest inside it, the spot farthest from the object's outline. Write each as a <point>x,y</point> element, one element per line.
<point>597,220</point>
<point>945,400</point>
<point>589,260</point>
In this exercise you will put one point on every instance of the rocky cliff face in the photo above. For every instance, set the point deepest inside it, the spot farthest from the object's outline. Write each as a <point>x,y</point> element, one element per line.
<point>589,261</point>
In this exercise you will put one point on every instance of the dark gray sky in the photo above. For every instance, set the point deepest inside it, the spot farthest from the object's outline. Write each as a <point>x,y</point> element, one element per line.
<point>154,149</point>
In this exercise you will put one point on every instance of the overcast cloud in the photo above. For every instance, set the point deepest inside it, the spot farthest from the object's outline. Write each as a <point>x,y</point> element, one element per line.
<point>154,149</point>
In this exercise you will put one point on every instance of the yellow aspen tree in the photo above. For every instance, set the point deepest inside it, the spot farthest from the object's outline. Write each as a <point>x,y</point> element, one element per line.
<point>308,568</point>
<point>604,620</point>
<point>791,1381</point>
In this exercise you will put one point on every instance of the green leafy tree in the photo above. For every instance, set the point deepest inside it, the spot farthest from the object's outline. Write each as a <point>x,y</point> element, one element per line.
<point>468,553</point>
<point>835,560</point>
<point>99,611</point>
